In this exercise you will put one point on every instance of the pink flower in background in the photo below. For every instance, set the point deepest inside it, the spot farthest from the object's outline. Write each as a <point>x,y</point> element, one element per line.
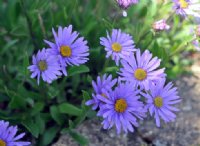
<point>124,4</point>
<point>160,25</point>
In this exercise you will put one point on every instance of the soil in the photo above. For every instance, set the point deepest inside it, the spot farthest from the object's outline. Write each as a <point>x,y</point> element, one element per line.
<point>185,131</point>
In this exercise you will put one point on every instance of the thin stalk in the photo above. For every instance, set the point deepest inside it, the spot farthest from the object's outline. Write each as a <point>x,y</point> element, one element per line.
<point>29,23</point>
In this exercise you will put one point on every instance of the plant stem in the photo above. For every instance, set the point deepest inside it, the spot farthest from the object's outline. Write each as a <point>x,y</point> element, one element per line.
<point>29,23</point>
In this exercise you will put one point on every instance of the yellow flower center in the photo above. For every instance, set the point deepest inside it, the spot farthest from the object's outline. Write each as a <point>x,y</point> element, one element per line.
<point>65,51</point>
<point>2,143</point>
<point>158,101</point>
<point>120,105</point>
<point>116,47</point>
<point>42,66</point>
<point>183,4</point>
<point>104,95</point>
<point>140,74</point>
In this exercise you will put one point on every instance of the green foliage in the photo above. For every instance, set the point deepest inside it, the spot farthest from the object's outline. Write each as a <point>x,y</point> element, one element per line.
<point>46,110</point>
<point>70,109</point>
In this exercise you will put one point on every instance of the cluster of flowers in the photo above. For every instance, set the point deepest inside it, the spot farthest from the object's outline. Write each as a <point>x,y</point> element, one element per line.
<point>8,135</point>
<point>68,49</point>
<point>181,7</point>
<point>139,77</point>
<point>187,7</point>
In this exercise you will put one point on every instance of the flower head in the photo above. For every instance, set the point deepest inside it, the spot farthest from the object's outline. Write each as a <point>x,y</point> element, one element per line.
<point>124,4</point>
<point>122,108</point>
<point>160,100</point>
<point>101,87</point>
<point>187,7</point>
<point>70,49</point>
<point>45,65</point>
<point>8,135</point>
<point>118,45</point>
<point>160,25</point>
<point>141,69</point>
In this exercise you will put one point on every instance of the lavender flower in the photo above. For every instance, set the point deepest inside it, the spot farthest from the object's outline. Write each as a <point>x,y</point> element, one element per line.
<point>70,49</point>
<point>8,135</point>
<point>118,45</point>
<point>160,25</point>
<point>141,69</point>
<point>187,7</point>
<point>121,108</point>
<point>160,101</point>
<point>45,65</point>
<point>124,4</point>
<point>101,87</point>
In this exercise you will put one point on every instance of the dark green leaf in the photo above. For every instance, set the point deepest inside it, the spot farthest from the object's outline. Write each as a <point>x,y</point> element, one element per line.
<point>70,109</point>
<point>32,127</point>
<point>86,96</point>
<point>49,135</point>
<point>79,138</point>
<point>37,108</point>
<point>56,114</point>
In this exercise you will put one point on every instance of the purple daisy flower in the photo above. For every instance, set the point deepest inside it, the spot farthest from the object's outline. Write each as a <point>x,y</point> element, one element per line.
<point>45,65</point>
<point>187,7</point>
<point>8,135</point>
<point>141,69</point>
<point>118,45</point>
<point>121,108</point>
<point>124,4</point>
<point>70,49</point>
<point>160,100</point>
<point>101,87</point>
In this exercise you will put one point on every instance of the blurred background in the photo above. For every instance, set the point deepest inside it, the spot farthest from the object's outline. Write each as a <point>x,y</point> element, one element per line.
<point>46,112</point>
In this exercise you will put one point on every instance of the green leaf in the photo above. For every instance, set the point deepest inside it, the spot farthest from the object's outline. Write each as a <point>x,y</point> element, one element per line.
<point>80,119</point>
<point>52,92</point>
<point>111,69</point>
<point>40,123</point>
<point>9,45</point>
<point>25,64</point>
<point>78,70</point>
<point>56,114</point>
<point>37,108</point>
<point>49,135</point>
<point>32,127</point>
<point>64,130</point>
<point>79,138</point>
<point>17,102</point>
<point>70,109</point>
<point>86,96</point>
